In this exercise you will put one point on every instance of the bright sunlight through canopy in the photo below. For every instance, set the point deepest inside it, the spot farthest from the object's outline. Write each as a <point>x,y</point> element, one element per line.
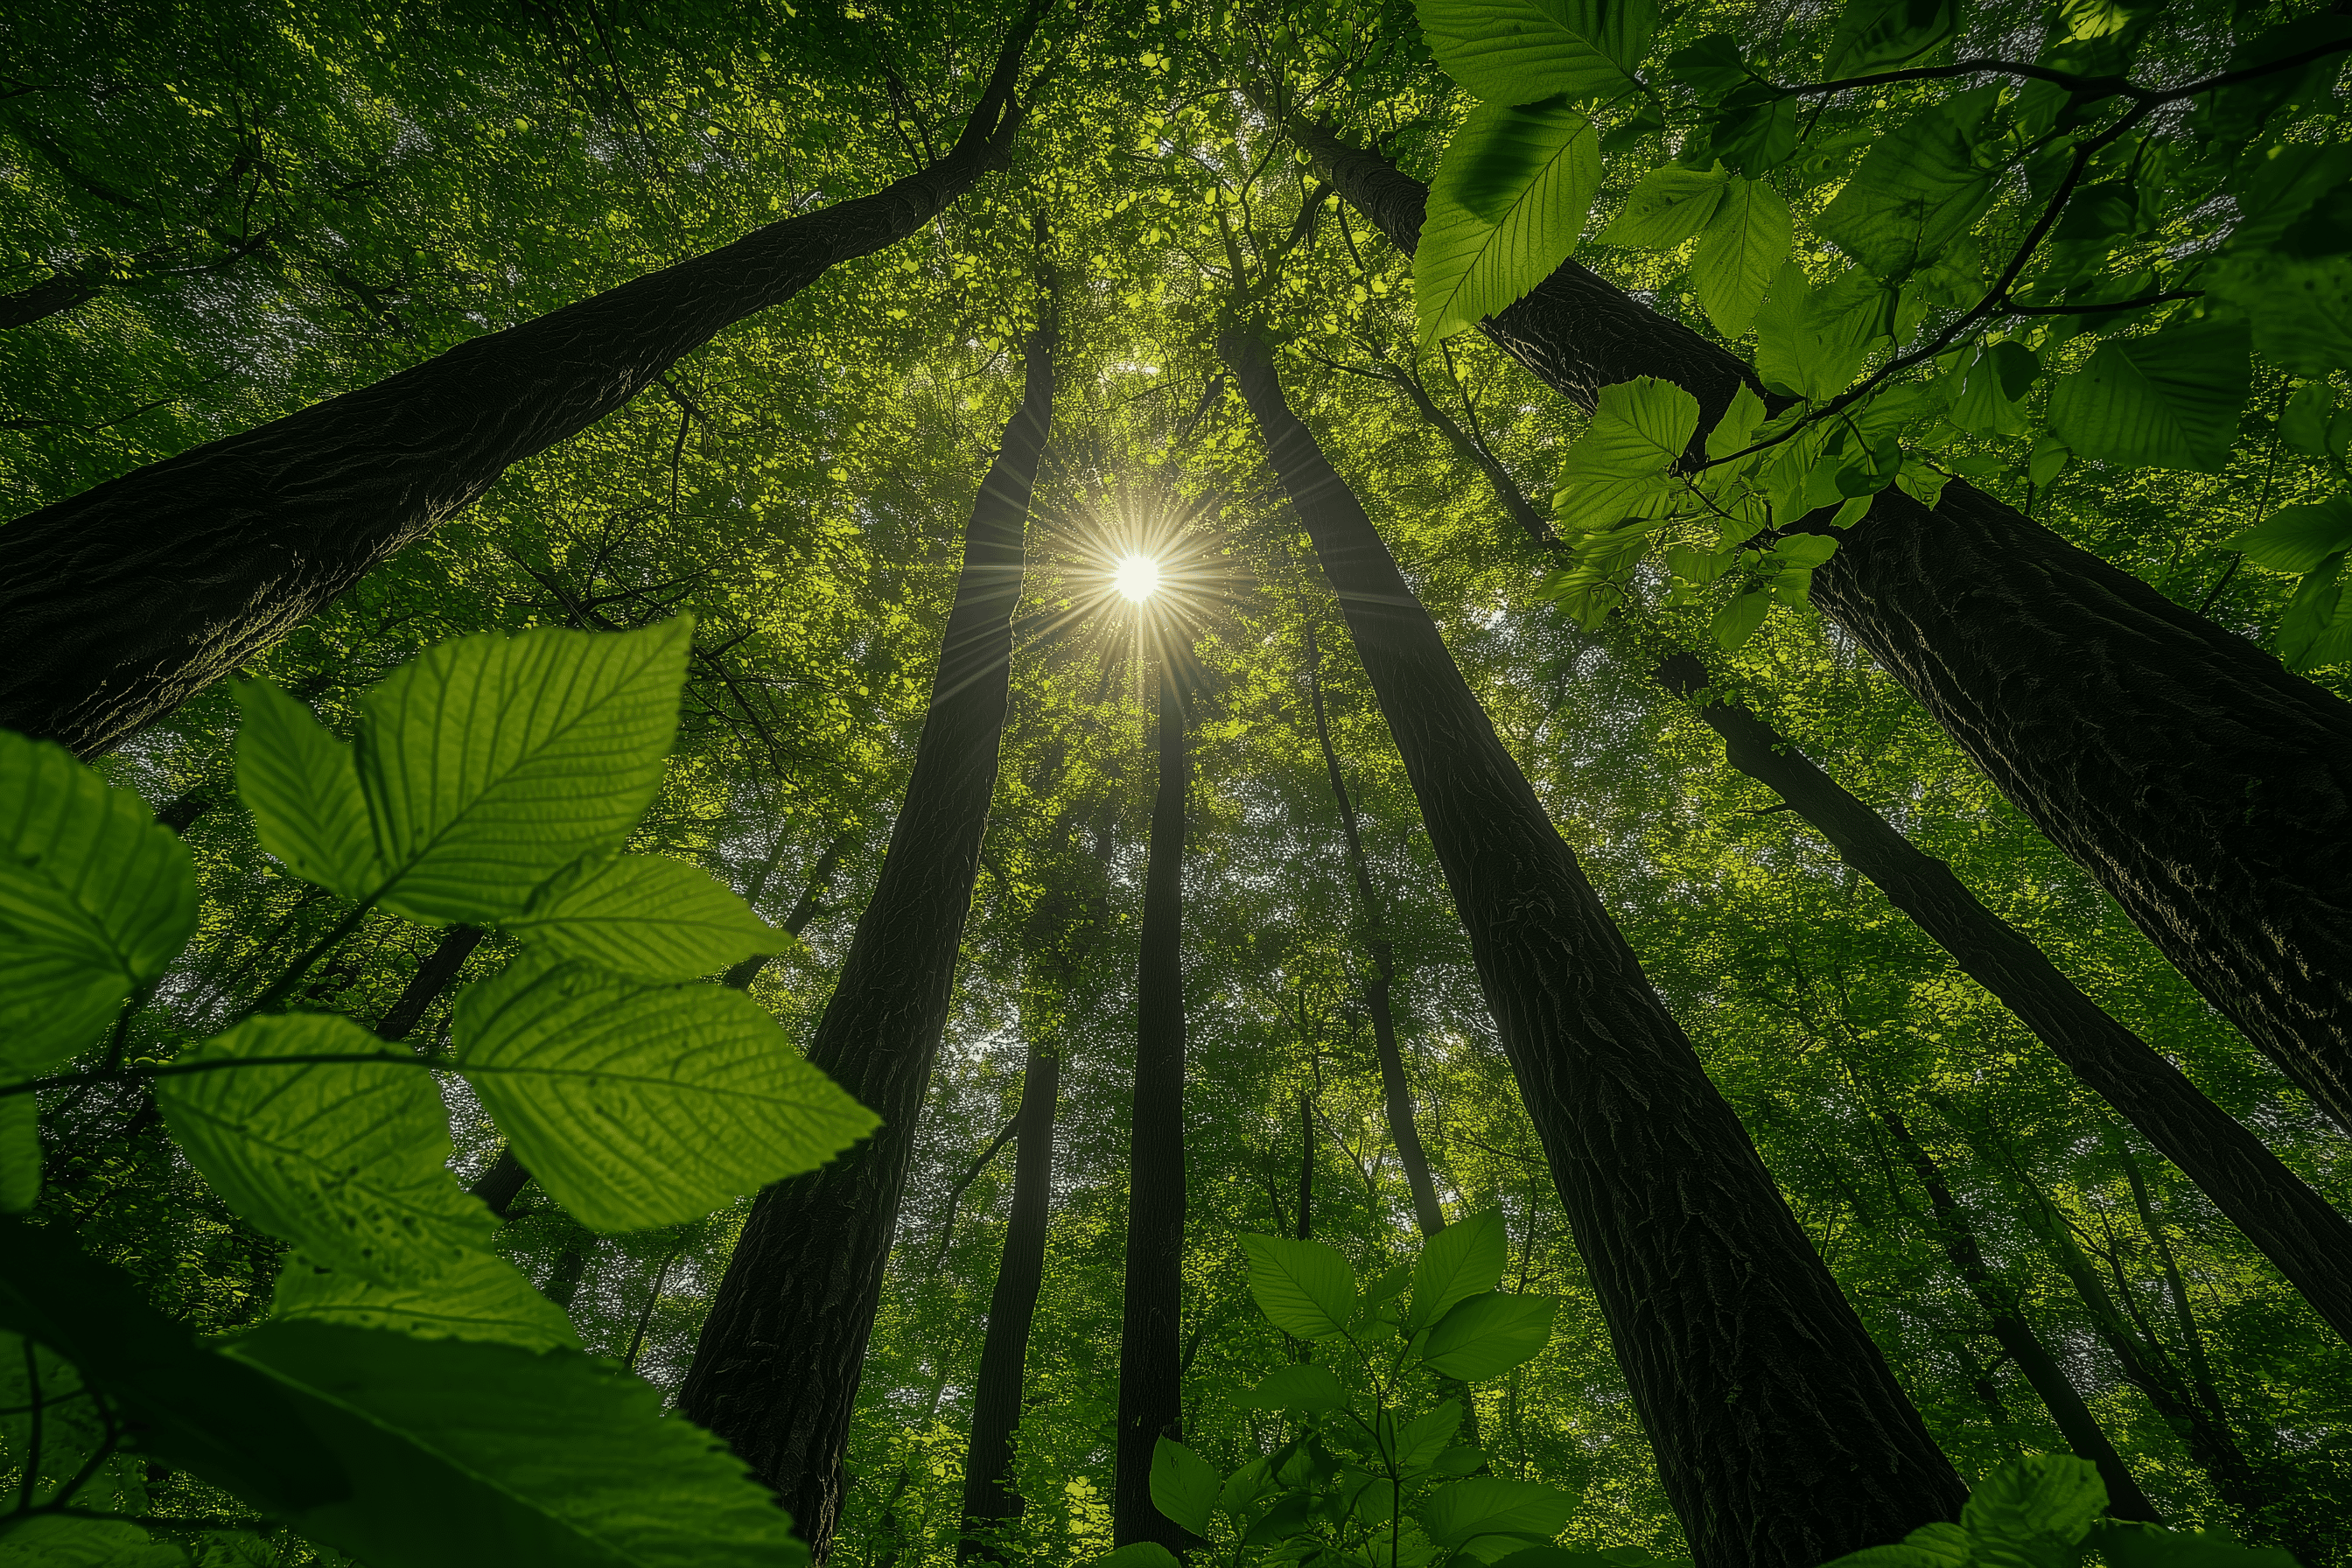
<point>1138,577</point>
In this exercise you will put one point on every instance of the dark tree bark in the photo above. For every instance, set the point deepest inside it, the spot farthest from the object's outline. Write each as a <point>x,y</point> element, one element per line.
<point>562,1285</point>
<point>118,603</point>
<point>1782,1439</point>
<point>2076,1423</point>
<point>776,1370</point>
<point>180,813</point>
<point>53,296</point>
<point>1150,1374</point>
<point>502,1184</point>
<point>2304,1236</point>
<point>432,978</point>
<point>1396,1094</point>
<point>811,901</point>
<point>2208,789</point>
<point>989,1500</point>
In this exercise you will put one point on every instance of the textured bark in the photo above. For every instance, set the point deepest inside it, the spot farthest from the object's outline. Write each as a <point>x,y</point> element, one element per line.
<point>1782,1439</point>
<point>502,1184</point>
<point>118,603</point>
<point>988,1500</point>
<point>1150,1374</point>
<point>1396,1094</point>
<point>53,296</point>
<point>432,978</point>
<point>2076,1423</point>
<point>776,1370</point>
<point>2205,788</point>
<point>2295,1228</point>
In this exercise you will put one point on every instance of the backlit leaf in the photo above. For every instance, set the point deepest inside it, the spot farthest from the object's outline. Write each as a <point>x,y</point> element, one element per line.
<point>1183,1486</point>
<point>1516,51</point>
<point>1740,254</point>
<point>1460,1513</point>
<point>1533,170</point>
<point>1304,1288</point>
<point>1669,205</point>
<point>1487,1335</point>
<point>646,916</point>
<point>302,787</point>
<point>2169,400</point>
<point>1918,190</point>
<point>482,1297</point>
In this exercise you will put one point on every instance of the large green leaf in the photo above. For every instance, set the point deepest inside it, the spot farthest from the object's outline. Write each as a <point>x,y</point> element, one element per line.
<point>1139,1554</point>
<point>1930,1546</point>
<point>2316,630</point>
<point>1512,193</point>
<point>645,916</point>
<point>1304,1288</point>
<point>1620,468</point>
<point>1740,254</point>
<point>302,787</point>
<point>2298,538</point>
<point>2128,1544</point>
<point>1918,190</point>
<point>191,1409</point>
<point>2044,1496</point>
<point>2169,400</point>
<point>1183,1487</point>
<point>62,1541</point>
<point>639,1105</point>
<point>1457,1514</point>
<point>95,898</point>
<point>491,763</point>
<point>1464,1259</point>
<point>2300,308</point>
<point>346,1160</point>
<point>1485,1336</point>
<point>1669,205</point>
<point>1305,1385</point>
<point>1873,35</point>
<point>472,1455</point>
<point>483,1297</point>
<point>1516,51</point>
<point>1807,342</point>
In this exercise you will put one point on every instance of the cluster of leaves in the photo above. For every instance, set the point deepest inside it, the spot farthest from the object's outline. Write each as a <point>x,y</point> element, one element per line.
<point>492,781</point>
<point>2045,250</point>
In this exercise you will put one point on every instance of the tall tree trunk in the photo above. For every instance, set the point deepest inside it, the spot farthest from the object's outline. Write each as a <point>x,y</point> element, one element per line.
<point>2298,1230</point>
<point>118,603</point>
<point>432,978</point>
<point>776,1370</point>
<point>2204,786</point>
<point>1782,1439</point>
<point>989,1500</point>
<point>2014,1335</point>
<point>1150,1378</point>
<point>1396,1094</point>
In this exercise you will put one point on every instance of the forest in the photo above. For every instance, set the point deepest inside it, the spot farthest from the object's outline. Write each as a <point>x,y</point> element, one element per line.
<point>1357,784</point>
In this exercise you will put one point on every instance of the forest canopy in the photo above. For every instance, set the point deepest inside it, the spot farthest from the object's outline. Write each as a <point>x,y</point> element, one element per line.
<point>1374,784</point>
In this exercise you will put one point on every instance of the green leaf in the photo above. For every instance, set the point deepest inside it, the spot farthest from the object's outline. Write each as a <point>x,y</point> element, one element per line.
<point>483,1297</point>
<point>2312,423</point>
<point>2169,400</point>
<point>2048,460</point>
<point>1930,1546</point>
<point>2301,308</point>
<point>302,787</point>
<point>62,1540</point>
<point>1532,172</point>
<point>1669,205</point>
<point>1139,1554</point>
<point>2316,630</point>
<point>1183,1487</point>
<point>1740,254</point>
<point>2298,538</point>
<point>1426,1436</point>
<point>547,1458</point>
<point>1735,431</point>
<point>2128,1544</point>
<point>1304,1288</point>
<point>1738,620</point>
<point>1620,466</point>
<point>2051,1496</point>
<point>347,1161</point>
<point>639,1105</point>
<point>190,1408</point>
<point>1756,132</point>
<point>1458,1514</point>
<point>95,898</point>
<point>645,916</point>
<point>491,763</point>
<point>1306,1386</point>
<point>1485,1336</point>
<point>1464,1259</point>
<point>1792,350</point>
<point>1874,36</point>
<point>1712,67</point>
<point>1918,191</point>
<point>1516,51</point>
<point>20,1152</point>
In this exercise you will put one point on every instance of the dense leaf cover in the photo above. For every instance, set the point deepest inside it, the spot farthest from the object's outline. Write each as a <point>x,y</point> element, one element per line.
<point>433,888</point>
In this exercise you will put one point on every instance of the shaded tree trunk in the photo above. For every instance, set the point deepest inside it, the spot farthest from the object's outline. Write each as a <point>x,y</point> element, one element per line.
<point>775,1373</point>
<point>432,978</point>
<point>53,296</point>
<point>1150,1378</point>
<point>2076,1423</point>
<point>1782,1439</point>
<point>2298,1230</point>
<point>1396,1094</point>
<point>562,1285</point>
<point>118,603</point>
<point>2205,788</point>
<point>988,1500</point>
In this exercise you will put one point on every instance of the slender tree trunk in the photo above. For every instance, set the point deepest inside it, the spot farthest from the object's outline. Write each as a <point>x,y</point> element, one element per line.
<point>1782,1439</point>
<point>432,978</point>
<point>2304,1236</point>
<point>53,296</point>
<point>1396,1094</point>
<point>502,1184</point>
<point>1150,1378</point>
<point>811,899</point>
<point>2014,1335</point>
<point>563,1282</point>
<point>988,1500</point>
<point>118,603</point>
<point>776,1371</point>
<point>2208,789</point>
<point>180,812</point>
